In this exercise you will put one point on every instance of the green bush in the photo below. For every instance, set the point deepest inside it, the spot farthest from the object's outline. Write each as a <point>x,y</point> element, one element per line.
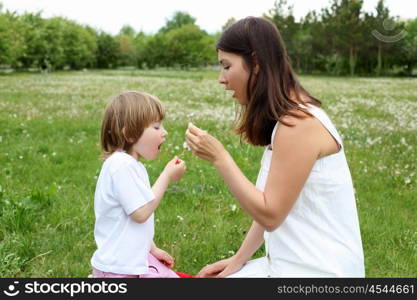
<point>107,51</point>
<point>12,45</point>
<point>186,46</point>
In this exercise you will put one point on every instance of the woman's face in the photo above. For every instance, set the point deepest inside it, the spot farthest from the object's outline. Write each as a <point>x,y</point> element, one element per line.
<point>234,75</point>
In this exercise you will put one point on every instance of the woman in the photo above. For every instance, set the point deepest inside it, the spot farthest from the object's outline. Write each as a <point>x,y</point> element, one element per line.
<point>303,204</point>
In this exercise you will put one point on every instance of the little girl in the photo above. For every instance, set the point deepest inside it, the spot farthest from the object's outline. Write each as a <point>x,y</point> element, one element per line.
<point>124,201</point>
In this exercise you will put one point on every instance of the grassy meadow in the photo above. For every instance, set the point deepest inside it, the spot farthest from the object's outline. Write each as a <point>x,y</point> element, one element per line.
<point>49,163</point>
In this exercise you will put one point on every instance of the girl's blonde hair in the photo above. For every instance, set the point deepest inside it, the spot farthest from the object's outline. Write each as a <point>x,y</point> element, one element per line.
<point>125,119</point>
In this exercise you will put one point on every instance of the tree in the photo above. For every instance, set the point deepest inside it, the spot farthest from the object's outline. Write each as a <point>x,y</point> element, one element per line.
<point>127,51</point>
<point>302,43</point>
<point>12,41</point>
<point>53,34</point>
<point>80,46</point>
<point>345,25</point>
<point>107,52</point>
<point>140,41</point>
<point>127,30</point>
<point>408,47</point>
<point>178,20</point>
<point>315,44</point>
<point>382,15</point>
<point>229,22</point>
<point>282,16</point>
<point>127,47</point>
<point>186,46</point>
<point>339,39</point>
<point>33,26</point>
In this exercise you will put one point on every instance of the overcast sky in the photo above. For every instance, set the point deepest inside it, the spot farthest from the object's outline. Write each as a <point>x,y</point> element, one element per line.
<point>150,15</point>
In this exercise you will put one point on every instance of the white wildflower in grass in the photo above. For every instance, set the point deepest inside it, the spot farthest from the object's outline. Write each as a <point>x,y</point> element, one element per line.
<point>382,168</point>
<point>20,157</point>
<point>231,252</point>
<point>407,180</point>
<point>185,146</point>
<point>180,218</point>
<point>233,207</point>
<point>53,153</point>
<point>370,141</point>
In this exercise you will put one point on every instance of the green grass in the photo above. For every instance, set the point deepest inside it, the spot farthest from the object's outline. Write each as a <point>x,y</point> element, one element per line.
<point>49,130</point>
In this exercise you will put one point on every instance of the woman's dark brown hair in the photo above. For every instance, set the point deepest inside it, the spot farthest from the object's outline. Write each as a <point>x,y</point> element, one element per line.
<point>274,91</point>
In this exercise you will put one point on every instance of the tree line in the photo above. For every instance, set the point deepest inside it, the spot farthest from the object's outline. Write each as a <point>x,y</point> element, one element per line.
<point>340,39</point>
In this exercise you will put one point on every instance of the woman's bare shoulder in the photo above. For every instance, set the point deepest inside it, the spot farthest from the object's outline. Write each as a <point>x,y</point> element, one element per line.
<point>301,121</point>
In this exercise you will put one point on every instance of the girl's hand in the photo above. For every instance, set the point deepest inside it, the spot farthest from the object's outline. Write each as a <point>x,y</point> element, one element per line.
<point>163,256</point>
<point>221,268</point>
<point>175,169</point>
<point>203,144</point>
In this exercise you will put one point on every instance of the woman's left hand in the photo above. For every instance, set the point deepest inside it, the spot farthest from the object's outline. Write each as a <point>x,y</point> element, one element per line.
<point>203,144</point>
<point>163,256</point>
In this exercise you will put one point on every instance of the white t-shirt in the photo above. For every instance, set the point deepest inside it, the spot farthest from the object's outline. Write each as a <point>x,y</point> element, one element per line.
<point>122,244</point>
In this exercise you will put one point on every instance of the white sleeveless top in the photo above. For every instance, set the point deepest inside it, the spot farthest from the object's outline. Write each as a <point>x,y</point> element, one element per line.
<point>320,236</point>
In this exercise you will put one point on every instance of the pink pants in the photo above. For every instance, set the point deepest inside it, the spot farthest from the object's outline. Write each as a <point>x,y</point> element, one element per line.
<point>156,270</point>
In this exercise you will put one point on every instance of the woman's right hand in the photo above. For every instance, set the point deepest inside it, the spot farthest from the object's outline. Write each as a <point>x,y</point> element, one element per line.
<point>221,268</point>
<point>175,169</point>
<point>204,145</point>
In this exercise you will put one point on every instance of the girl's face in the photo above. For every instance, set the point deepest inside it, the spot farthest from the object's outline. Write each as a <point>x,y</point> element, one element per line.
<point>150,142</point>
<point>234,75</point>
